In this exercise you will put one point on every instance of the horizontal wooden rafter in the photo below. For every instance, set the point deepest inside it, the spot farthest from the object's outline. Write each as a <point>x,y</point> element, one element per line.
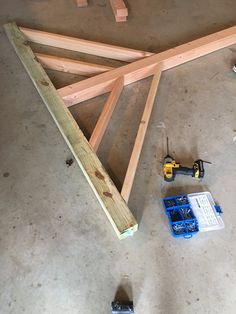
<point>84,46</point>
<point>141,69</point>
<point>110,199</point>
<point>71,66</point>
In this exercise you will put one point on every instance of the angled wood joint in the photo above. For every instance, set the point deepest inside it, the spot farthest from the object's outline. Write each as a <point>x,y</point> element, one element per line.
<point>104,79</point>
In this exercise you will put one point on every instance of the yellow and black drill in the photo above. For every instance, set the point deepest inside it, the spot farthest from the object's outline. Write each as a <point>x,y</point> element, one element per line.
<point>171,168</point>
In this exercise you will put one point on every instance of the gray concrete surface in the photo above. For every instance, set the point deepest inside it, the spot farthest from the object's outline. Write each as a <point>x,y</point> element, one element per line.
<point>58,252</point>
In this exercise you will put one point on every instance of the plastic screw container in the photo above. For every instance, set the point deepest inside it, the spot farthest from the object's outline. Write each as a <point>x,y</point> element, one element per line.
<point>182,220</point>
<point>190,213</point>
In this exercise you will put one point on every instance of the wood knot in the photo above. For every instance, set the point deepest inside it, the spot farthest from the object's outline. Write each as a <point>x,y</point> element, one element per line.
<point>99,175</point>
<point>107,194</point>
<point>44,83</point>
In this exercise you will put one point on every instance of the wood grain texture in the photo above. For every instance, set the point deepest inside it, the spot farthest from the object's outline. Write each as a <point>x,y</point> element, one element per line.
<point>133,163</point>
<point>84,46</point>
<point>106,114</point>
<point>110,199</point>
<point>70,65</point>
<point>141,69</point>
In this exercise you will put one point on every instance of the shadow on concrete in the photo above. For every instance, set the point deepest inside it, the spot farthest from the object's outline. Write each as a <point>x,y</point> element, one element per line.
<point>185,189</point>
<point>124,293</point>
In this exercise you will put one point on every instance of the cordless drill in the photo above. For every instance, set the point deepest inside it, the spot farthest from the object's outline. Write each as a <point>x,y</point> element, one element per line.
<point>171,168</point>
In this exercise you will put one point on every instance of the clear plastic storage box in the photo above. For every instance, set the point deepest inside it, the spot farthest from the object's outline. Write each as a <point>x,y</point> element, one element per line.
<point>189,214</point>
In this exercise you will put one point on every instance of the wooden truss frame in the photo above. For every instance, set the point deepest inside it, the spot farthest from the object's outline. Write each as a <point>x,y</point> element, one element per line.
<point>104,79</point>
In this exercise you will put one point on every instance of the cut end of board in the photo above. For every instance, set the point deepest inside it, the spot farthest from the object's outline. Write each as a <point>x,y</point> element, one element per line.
<point>81,3</point>
<point>120,10</point>
<point>120,19</point>
<point>128,232</point>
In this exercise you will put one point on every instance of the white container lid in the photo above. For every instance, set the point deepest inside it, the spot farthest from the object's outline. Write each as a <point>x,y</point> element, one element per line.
<point>203,207</point>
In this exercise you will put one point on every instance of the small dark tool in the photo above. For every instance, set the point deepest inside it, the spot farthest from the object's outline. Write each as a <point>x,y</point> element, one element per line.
<point>122,308</point>
<point>171,168</point>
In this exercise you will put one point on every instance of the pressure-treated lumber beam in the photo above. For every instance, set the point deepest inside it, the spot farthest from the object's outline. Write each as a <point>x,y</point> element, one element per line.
<point>106,114</point>
<point>85,46</point>
<point>110,199</point>
<point>71,66</point>
<point>133,163</point>
<point>138,70</point>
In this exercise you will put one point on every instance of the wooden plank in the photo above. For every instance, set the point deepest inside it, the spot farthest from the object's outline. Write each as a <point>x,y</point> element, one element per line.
<point>71,66</point>
<point>119,8</point>
<point>141,69</point>
<point>133,163</point>
<point>110,199</point>
<point>82,3</point>
<point>106,114</point>
<point>77,93</point>
<point>120,19</point>
<point>84,46</point>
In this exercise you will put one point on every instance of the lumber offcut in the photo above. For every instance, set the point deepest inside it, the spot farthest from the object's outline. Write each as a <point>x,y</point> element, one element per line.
<point>120,10</point>
<point>120,19</point>
<point>82,3</point>
<point>110,199</point>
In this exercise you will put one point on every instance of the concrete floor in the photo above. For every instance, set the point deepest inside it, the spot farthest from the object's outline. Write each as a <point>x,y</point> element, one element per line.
<point>59,254</point>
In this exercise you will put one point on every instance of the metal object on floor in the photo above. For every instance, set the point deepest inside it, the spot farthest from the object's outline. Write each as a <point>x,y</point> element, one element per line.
<point>171,168</point>
<point>122,307</point>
